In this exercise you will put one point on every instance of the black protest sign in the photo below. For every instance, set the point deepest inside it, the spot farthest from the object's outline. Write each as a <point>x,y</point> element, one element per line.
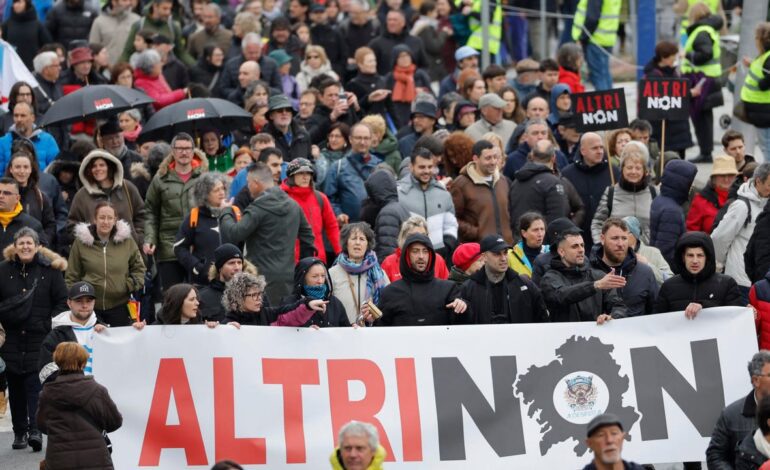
<point>664,98</point>
<point>600,110</point>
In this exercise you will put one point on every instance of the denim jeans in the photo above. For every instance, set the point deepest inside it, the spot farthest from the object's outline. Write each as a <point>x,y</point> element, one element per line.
<point>763,139</point>
<point>598,61</point>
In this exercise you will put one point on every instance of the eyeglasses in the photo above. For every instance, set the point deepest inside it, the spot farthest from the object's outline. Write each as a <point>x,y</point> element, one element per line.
<point>183,149</point>
<point>254,295</point>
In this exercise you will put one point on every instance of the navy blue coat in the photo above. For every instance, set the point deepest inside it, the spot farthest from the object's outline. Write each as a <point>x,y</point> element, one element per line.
<point>667,218</point>
<point>518,158</point>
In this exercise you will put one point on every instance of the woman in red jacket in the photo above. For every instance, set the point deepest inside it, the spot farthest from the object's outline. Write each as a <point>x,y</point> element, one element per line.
<point>759,298</point>
<point>317,208</point>
<point>148,77</point>
<point>570,58</point>
<point>707,203</point>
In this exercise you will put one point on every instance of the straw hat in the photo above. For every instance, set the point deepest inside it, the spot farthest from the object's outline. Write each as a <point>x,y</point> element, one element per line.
<point>724,165</point>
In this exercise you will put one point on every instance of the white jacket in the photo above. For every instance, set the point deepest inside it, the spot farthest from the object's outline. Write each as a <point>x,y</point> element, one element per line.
<point>731,235</point>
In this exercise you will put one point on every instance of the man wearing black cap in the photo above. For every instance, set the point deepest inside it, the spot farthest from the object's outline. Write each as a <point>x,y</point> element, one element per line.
<point>552,233</point>
<point>110,138</point>
<point>567,136</point>
<point>419,298</point>
<point>290,137</point>
<point>496,294</point>
<point>423,119</point>
<point>605,436</point>
<point>228,261</point>
<point>574,291</point>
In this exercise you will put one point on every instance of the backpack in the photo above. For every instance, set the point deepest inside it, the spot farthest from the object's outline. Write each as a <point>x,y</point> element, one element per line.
<point>195,210</point>
<point>611,196</point>
<point>723,210</point>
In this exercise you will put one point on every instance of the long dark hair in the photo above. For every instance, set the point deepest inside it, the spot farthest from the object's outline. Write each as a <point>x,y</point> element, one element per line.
<point>13,96</point>
<point>34,175</point>
<point>173,301</point>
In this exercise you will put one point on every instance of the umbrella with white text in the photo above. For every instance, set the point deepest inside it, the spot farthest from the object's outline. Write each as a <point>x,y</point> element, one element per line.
<point>193,115</point>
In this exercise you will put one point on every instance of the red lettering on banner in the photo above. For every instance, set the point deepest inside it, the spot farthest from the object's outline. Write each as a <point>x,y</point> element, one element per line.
<point>342,371</point>
<point>292,374</point>
<point>411,435</point>
<point>172,378</point>
<point>580,105</point>
<point>647,89</point>
<point>244,450</point>
<point>608,102</point>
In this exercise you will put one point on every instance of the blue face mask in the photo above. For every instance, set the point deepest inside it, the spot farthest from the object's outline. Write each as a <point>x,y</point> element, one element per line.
<point>316,292</point>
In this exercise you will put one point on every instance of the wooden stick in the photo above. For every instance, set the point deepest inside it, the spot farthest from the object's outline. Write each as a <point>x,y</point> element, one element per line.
<point>662,147</point>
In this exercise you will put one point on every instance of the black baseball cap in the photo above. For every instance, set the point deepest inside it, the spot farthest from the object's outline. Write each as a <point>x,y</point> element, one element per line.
<point>81,289</point>
<point>494,243</point>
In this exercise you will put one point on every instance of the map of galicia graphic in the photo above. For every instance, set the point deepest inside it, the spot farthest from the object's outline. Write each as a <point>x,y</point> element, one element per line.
<point>588,366</point>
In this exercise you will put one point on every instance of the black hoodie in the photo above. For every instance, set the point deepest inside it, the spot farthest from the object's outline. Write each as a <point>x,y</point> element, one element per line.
<point>536,188</point>
<point>708,287</point>
<point>335,312</point>
<point>385,211</point>
<point>418,298</point>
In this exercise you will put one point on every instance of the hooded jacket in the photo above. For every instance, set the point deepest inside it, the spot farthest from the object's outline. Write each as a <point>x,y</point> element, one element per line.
<point>74,442</point>
<point>123,195</point>
<point>114,268</point>
<point>641,288</point>
<point>70,21</point>
<point>321,218</point>
<point>523,302</point>
<point>269,226</point>
<point>570,294</point>
<point>666,214</point>
<point>435,204</point>
<point>111,29</point>
<point>708,288</point>
<point>536,188</point>
<point>382,191</point>
<point>384,47</point>
<point>481,207</point>
<point>335,314</point>
<point>418,298</point>
<point>628,199</point>
<point>168,201</point>
<point>731,237</point>
<point>28,325</point>
<point>558,90</point>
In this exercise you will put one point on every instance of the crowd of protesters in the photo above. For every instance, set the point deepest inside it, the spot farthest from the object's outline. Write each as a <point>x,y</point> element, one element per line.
<point>386,179</point>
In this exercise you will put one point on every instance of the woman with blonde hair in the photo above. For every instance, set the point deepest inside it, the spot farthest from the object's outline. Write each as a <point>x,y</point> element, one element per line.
<point>316,63</point>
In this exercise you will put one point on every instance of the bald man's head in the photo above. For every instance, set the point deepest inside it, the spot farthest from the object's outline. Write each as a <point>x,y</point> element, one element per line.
<point>592,148</point>
<point>248,73</point>
<point>537,108</point>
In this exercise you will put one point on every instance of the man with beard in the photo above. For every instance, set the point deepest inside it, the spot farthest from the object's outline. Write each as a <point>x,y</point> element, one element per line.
<point>605,436</point>
<point>110,138</point>
<point>212,33</point>
<point>613,253</point>
<point>423,123</point>
<point>46,148</point>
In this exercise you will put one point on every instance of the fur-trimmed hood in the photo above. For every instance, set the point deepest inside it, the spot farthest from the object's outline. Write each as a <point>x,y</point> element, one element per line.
<point>44,256</point>
<point>473,173</point>
<point>84,232</point>
<point>140,170</point>
<point>248,267</point>
<point>200,162</point>
<point>112,161</point>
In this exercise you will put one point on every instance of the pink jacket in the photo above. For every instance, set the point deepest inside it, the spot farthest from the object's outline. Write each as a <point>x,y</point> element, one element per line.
<point>157,88</point>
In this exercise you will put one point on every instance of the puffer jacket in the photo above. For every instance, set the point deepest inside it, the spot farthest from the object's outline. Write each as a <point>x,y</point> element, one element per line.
<point>382,192</point>
<point>321,218</point>
<point>27,326</point>
<point>731,237</point>
<point>570,294</point>
<point>123,196</point>
<point>628,200</point>
<point>417,299</point>
<point>536,188</point>
<point>344,183</point>
<point>158,89</point>
<point>168,201</point>
<point>481,208</point>
<point>111,29</point>
<point>736,421</point>
<point>641,287</point>
<point>708,288</point>
<point>74,442</point>
<point>68,21</point>
<point>335,314</point>
<point>590,182</point>
<point>523,302</point>
<point>666,214</point>
<point>435,204</point>
<point>377,461</point>
<point>704,208</point>
<point>115,268</point>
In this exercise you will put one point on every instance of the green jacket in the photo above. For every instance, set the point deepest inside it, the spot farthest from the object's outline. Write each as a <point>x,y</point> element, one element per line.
<point>167,202</point>
<point>388,150</point>
<point>115,269</point>
<point>170,29</point>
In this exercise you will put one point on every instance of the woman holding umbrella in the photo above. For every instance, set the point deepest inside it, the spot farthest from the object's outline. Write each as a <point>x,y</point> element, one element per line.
<point>148,77</point>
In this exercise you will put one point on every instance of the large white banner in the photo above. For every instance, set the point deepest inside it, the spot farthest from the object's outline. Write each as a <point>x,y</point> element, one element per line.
<point>497,396</point>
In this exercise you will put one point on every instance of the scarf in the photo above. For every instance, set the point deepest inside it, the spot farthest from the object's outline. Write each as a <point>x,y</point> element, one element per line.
<point>315,292</point>
<point>722,195</point>
<point>375,276</point>
<point>404,90</point>
<point>131,136</point>
<point>762,445</point>
<point>7,217</point>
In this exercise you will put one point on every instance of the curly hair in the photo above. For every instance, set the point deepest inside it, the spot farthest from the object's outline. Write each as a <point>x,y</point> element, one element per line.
<point>235,290</point>
<point>205,184</point>
<point>458,152</point>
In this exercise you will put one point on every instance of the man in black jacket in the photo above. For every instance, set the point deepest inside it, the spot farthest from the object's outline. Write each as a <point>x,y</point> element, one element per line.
<point>698,285</point>
<point>419,298</point>
<point>290,137</point>
<point>738,419</point>
<point>228,261</point>
<point>536,188</point>
<point>496,294</point>
<point>396,33</point>
<point>331,108</point>
<point>574,291</point>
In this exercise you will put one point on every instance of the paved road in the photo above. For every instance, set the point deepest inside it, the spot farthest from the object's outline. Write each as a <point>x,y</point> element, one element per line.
<point>15,459</point>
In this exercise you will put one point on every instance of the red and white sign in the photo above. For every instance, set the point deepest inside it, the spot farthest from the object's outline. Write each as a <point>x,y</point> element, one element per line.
<point>102,104</point>
<point>197,113</point>
<point>497,396</point>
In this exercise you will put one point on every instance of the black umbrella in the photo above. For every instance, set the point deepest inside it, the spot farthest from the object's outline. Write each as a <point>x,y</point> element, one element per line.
<point>193,115</point>
<point>93,102</point>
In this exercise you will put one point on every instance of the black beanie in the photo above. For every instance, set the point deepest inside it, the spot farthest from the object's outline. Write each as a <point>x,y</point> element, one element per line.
<point>225,253</point>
